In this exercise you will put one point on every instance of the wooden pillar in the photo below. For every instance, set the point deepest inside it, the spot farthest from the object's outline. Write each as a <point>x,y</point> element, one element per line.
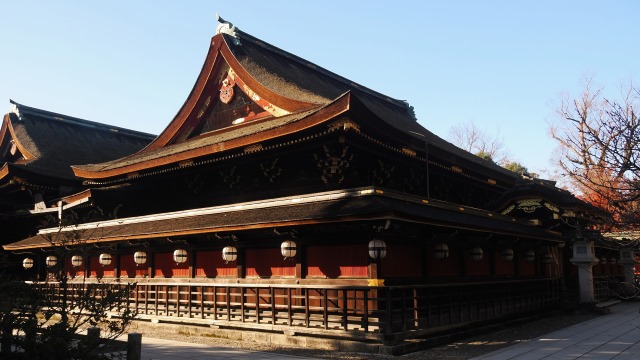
<point>241,268</point>
<point>151,269</point>
<point>424,269</point>
<point>463,261</point>
<point>492,261</point>
<point>301,263</point>
<point>373,269</point>
<point>193,265</point>
<point>116,267</point>
<point>87,266</point>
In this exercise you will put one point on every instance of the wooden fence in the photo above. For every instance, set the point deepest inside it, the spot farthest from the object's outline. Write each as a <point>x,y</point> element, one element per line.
<point>385,313</point>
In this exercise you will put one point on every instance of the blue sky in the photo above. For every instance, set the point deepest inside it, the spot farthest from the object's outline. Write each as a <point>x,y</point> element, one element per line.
<point>501,64</point>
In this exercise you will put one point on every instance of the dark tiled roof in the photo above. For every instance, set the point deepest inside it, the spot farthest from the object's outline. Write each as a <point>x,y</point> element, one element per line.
<point>363,207</point>
<point>59,141</point>
<point>299,79</point>
<point>547,190</point>
<point>296,78</point>
<point>198,142</point>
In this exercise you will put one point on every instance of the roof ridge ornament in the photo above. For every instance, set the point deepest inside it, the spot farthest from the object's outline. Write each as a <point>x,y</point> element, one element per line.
<point>15,110</point>
<point>228,28</point>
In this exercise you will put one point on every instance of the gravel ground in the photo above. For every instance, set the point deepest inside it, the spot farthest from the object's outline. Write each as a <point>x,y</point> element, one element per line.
<point>461,349</point>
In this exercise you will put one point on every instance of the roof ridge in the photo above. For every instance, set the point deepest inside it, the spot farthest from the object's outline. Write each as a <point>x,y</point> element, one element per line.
<point>18,109</point>
<point>308,64</point>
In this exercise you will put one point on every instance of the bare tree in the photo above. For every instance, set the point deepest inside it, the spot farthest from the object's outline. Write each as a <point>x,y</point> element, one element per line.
<point>599,140</point>
<point>42,320</point>
<point>475,140</point>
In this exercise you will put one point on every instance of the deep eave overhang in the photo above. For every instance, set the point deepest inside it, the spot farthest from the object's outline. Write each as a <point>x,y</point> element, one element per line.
<point>10,173</point>
<point>318,116</point>
<point>352,205</point>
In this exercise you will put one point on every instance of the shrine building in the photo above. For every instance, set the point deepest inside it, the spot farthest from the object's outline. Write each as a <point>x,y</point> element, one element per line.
<point>284,198</point>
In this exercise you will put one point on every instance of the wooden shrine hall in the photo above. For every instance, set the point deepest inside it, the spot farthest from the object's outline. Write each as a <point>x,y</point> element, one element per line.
<point>285,198</point>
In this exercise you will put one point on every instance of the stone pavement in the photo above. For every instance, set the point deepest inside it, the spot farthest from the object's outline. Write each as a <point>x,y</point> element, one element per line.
<point>612,336</point>
<point>158,349</point>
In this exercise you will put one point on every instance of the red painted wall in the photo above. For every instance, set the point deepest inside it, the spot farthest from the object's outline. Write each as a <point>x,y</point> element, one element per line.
<point>446,267</point>
<point>75,271</point>
<point>167,268</point>
<point>526,268</point>
<point>502,266</point>
<point>267,263</point>
<point>100,271</point>
<point>128,268</point>
<point>343,261</point>
<point>477,268</point>
<point>402,261</point>
<point>210,264</point>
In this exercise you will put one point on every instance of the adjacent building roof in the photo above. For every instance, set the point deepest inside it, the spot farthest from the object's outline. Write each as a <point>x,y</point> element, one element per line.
<point>44,143</point>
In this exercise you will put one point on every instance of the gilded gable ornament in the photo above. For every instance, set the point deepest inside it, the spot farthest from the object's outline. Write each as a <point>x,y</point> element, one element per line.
<point>344,124</point>
<point>226,89</point>
<point>529,206</point>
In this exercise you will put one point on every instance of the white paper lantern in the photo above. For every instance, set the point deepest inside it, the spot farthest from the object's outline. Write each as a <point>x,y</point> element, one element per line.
<point>180,256</point>
<point>441,251</point>
<point>477,253</point>
<point>51,261</point>
<point>104,259</point>
<point>507,254</point>
<point>76,260</point>
<point>140,257</point>
<point>529,256</point>
<point>288,249</point>
<point>27,263</point>
<point>377,249</point>
<point>229,253</point>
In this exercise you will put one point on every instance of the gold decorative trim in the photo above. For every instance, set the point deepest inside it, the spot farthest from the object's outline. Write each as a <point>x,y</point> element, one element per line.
<point>185,163</point>
<point>551,207</point>
<point>409,152</point>
<point>344,124</point>
<point>508,210</point>
<point>252,148</point>
<point>529,205</point>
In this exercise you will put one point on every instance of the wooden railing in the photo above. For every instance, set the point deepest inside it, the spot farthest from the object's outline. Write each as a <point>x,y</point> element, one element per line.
<point>390,313</point>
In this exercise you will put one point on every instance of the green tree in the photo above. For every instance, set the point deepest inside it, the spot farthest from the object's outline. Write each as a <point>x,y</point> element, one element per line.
<point>516,167</point>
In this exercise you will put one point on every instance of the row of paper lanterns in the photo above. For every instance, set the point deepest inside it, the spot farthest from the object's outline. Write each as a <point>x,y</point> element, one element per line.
<point>377,250</point>
<point>441,251</point>
<point>288,249</point>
